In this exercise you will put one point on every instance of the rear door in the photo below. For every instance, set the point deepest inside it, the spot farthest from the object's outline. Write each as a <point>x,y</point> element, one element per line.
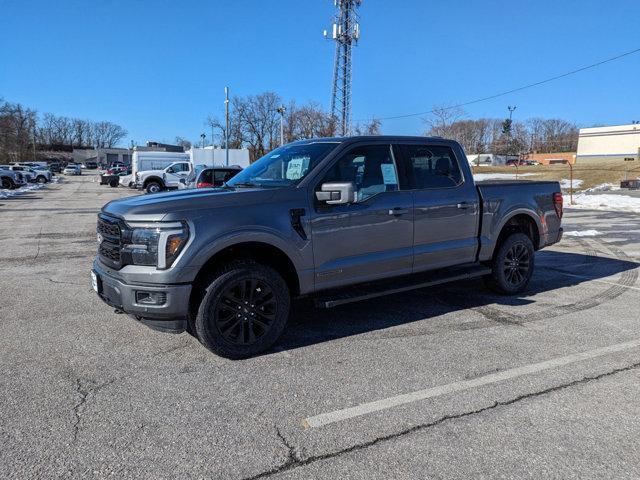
<point>446,206</point>
<point>372,237</point>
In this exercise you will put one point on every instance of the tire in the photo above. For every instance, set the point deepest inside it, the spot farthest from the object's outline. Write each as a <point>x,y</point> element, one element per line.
<point>229,324</point>
<point>41,179</point>
<point>8,184</point>
<point>512,265</point>
<point>153,187</point>
<point>113,183</point>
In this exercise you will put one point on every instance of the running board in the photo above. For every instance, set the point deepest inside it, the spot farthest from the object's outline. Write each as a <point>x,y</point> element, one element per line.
<point>369,290</point>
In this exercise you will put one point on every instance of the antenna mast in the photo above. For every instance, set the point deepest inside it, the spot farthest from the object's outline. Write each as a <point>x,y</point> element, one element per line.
<point>345,32</point>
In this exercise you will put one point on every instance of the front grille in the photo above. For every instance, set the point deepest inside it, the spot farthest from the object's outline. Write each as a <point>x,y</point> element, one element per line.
<point>111,252</point>
<point>111,241</point>
<point>108,228</point>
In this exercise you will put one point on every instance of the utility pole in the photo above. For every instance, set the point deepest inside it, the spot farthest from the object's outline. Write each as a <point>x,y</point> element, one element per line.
<point>34,143</point>
<point>281,110</point>
<point>226,128</point>
<point>511,110</point>
<point>346,33</point>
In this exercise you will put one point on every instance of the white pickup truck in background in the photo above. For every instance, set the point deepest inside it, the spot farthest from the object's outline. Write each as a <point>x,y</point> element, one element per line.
<point>168,178</point>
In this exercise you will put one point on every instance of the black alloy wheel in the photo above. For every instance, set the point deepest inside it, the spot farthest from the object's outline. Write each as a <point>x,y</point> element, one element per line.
<point>516,264</point>
<point>243,308</point>
<point>512,265</point>
<point>246,311</point>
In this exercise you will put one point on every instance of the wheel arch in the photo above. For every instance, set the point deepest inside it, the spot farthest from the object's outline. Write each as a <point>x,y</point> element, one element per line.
<point>260,251</point>
<point>153,179</point>
<point>519,222</point>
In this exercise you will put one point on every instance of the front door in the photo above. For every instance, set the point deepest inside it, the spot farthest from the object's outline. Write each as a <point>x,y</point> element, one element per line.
<point>446,208</point>
<point>175,173</point>
<point>372,237</point>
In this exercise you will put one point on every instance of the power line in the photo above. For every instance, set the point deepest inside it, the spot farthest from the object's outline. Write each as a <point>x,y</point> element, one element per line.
<point>531,85</point>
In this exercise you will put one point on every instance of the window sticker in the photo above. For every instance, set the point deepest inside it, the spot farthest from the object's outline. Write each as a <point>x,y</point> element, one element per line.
<point>389,174</point>
<point>297,167</point>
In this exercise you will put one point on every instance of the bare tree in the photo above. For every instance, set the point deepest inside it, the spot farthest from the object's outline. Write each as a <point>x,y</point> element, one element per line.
<point>183,142</point>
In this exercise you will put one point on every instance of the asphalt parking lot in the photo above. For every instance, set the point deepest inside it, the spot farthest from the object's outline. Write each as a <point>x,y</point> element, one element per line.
<point>450,382</point>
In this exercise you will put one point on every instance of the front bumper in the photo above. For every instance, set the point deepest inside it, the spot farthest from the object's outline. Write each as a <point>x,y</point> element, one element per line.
<point>170,316</point>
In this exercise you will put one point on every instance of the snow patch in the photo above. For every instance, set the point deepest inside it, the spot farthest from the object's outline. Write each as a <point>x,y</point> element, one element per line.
<point>603,187</point>
<point>582,233</point>
<point>604,201</point>
<point>27,188</point>
<point>478,177</point>
<point>566,183</point>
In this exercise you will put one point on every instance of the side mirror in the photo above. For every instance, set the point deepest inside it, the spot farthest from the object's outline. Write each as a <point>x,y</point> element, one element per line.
<point>337,193</point>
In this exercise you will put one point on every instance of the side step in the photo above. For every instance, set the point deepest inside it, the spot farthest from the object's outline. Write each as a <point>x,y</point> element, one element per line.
<point>366,291</point>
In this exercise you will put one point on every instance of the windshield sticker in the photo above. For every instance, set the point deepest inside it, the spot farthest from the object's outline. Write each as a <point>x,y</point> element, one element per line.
<point>296,168</point>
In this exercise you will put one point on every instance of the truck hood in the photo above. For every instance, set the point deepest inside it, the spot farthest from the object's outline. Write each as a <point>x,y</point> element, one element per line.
<point>184,203</point>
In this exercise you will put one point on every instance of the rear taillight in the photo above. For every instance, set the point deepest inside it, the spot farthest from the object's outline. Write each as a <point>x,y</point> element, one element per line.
<point>204,185</point>
<point>557,203</point>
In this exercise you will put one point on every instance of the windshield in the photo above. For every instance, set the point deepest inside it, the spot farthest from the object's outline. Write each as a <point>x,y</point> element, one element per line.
<point>283,166</point>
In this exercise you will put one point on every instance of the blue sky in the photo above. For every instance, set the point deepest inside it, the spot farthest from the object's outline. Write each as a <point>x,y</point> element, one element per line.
<point>159,68</point>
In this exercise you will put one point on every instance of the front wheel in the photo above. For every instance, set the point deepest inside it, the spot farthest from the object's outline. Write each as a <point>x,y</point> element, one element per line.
<point>512,265</point>
<point>244,310</point>
<point>153,187</point>
<point>8,184</point>
<point>41,179</point>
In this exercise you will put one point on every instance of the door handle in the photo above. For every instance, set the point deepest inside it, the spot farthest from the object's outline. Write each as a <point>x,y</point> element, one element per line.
<point>398,211</point>
<point>463,205</point>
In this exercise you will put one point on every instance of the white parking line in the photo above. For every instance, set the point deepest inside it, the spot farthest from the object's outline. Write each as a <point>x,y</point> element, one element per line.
<point>598,280</point>
<point>395,401</point>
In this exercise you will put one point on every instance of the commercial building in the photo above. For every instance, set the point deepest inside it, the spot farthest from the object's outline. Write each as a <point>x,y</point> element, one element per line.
<point>609,144</point>
<point>553,158</point>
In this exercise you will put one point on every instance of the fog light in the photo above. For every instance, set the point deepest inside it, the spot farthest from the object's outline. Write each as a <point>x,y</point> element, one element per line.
<point>151,298</point>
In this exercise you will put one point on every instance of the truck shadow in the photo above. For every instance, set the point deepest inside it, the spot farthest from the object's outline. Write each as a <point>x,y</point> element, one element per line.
<point>420,312</point>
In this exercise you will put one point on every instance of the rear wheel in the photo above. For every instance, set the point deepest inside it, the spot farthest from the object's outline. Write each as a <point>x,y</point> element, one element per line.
<point>7,183</point>
<point>41,179</point>
<point>113,183</point>
<point>512,265</point>
<point>244,310</point>
<point>153,187</point>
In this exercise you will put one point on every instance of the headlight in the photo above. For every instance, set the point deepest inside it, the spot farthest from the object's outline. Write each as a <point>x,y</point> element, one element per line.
<point>154,244</point>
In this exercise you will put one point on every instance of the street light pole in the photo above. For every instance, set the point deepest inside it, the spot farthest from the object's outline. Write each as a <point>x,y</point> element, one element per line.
<point>203,136</point>
<point>226,128</point>
<point>281,110</point>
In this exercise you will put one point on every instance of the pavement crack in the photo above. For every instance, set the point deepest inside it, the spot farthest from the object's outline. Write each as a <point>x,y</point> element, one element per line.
<point>293,461</point>
<point>84,391</point>
<point>65,283</point>
<point>39,238</point>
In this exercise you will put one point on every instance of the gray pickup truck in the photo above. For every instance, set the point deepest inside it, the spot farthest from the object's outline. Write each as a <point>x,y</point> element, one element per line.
<point>340,219</point>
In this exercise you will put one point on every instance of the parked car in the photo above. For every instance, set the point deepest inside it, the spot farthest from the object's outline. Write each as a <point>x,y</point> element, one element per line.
<point>341,220</point>
<point>116,169</point>
<point>89,165</point>
<point>168,178</point>
<point>113,180</point>
<point>203,177</point>
<point>55,167</point>
<point>126,180</point>
<point>36,174</point>
<point>10,179</point>
<point>72,169</point>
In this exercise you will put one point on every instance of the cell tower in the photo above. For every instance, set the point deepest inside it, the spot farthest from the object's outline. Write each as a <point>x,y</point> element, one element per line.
<point>346,33</point>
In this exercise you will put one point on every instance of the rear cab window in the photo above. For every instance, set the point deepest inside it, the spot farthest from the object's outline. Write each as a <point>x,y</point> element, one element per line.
<point>431,166</point>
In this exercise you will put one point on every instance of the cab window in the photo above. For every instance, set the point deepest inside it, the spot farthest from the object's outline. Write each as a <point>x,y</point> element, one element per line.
<point>432,166</point>
<point>371,168</point>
